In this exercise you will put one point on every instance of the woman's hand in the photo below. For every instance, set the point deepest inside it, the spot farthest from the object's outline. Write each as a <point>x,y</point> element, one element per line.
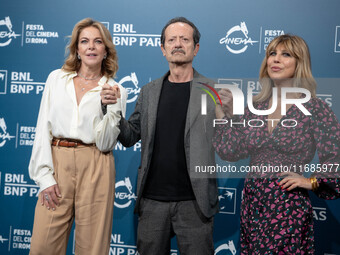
<point>109,94</point>
<point>50,197</point>
<point>227,104</point>
<point>294,180</point>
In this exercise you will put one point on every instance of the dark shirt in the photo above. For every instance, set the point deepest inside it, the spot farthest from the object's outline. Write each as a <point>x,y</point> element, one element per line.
<point>168,178</point>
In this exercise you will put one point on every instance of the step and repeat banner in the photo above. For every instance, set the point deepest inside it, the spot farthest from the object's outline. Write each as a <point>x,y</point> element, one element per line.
<point>235,34</point>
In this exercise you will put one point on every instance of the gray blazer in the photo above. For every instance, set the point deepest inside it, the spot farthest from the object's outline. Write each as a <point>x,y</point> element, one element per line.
<point>197,139</point>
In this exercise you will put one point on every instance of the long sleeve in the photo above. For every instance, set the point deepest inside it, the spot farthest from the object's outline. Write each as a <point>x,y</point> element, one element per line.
<point>61,116</point>
<point>131,129</point>
<point>107,130</point>
<point>41,163</point>
<point>229,140</point>
<point>326,131</point>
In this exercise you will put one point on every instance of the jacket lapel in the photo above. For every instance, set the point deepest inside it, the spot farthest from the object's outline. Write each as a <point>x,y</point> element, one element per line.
<point>194,107</point>
<point>153,100</point>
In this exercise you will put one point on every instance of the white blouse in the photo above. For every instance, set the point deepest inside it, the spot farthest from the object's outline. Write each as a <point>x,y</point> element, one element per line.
<point>60,116</point>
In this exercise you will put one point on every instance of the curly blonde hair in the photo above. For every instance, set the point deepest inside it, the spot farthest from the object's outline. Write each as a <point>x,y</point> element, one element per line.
<point>72,63</point>
<point>303,77</point>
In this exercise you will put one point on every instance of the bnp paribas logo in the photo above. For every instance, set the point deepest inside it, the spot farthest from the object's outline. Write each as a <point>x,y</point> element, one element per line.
<point>6,32</point>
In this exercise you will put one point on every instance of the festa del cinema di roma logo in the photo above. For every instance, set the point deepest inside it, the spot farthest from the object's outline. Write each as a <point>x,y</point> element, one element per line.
<point>226,247</point>
<point>133,90</point>
<point>6,32</point>
<point>238,104</point>
<point>235,43</point>
<point>4,135</point>
<point>124,194</point>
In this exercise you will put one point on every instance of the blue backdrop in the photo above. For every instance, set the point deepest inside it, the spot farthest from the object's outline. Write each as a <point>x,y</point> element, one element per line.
<point>33,36</point>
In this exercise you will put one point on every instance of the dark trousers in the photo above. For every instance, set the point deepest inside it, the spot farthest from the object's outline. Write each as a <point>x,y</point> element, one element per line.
<point>160,221</point>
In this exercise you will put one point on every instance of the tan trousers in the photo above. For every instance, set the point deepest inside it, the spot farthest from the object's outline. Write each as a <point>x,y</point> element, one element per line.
<point>86,179</point>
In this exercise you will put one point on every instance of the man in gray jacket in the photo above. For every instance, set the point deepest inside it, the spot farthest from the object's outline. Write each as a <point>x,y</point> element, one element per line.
<point>172,198</point>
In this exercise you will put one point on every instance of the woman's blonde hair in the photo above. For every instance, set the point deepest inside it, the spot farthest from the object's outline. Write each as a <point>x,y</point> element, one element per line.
<point>109,64</point>
<point>303,77</point>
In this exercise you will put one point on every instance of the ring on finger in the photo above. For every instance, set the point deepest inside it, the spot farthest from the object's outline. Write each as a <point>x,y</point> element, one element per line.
<point>46,197</point>
<point>105,97</point>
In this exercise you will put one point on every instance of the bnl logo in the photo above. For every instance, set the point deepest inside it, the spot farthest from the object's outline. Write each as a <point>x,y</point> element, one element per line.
<point>3,81</point>
<point>106,24</point>
<point>227,200</point>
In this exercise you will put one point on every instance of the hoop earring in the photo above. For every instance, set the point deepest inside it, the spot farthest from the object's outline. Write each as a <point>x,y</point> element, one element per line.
<point>78,56</point>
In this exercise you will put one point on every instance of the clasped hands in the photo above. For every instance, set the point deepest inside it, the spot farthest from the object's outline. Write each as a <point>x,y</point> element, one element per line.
<point>109,95</point>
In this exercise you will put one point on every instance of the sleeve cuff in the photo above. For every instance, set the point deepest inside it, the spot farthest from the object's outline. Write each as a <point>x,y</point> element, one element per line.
<point>115,108</point>
<point>46,181</point>
<point>104,108</point>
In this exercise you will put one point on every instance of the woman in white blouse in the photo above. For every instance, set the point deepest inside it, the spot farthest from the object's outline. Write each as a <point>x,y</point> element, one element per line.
<point>72,159</point>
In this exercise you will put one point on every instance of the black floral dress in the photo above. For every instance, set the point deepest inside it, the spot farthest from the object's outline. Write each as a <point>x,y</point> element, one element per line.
<point>276,221</point>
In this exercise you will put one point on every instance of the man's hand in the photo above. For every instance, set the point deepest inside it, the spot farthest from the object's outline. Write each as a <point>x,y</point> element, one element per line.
<point>227,104</point>
<point>109,94</point>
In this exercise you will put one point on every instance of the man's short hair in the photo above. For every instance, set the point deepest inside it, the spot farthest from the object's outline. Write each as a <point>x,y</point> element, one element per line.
<point>196,34</point>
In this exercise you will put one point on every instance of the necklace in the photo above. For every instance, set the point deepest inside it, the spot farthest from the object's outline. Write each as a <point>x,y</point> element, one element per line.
<point>87,79</point>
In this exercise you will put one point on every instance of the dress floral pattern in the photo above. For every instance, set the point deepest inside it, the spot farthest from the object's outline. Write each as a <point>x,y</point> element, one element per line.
<point>276,221</point>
